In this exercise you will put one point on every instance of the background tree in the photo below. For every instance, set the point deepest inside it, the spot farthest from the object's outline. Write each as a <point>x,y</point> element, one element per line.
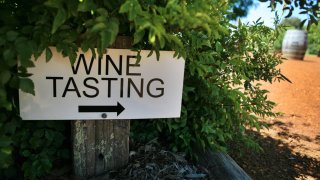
<point>309,7</point>
<point>314,40</point>
<point>240,8</point>
<point>292,22</point>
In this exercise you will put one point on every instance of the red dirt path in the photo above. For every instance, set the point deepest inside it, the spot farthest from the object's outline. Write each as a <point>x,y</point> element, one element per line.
<point>300,103</point>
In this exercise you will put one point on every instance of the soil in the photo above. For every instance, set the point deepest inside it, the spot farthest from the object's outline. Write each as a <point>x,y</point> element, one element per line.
<point>292,142</point>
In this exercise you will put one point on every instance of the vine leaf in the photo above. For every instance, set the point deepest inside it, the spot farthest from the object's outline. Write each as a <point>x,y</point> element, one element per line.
<point>302,23</point>
<point>285,78</point>
<point>5,76</point>
<point>138,35</point>
<point>59,19</point>
<point>12,35</point>
<point>48,54</point>
<point>290,13</point>
<point>26,85</point>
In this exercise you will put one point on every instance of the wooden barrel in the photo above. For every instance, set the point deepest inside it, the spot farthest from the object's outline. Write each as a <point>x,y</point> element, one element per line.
<point>294,44</point>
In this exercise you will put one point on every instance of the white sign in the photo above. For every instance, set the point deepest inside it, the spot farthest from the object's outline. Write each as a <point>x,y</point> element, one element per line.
<point>111,87</point>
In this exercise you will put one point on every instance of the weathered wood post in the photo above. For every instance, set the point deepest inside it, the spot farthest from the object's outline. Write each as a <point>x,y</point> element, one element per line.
<point>101,145</point>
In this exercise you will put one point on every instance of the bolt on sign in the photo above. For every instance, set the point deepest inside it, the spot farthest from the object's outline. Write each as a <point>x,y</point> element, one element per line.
<point>114,86</point>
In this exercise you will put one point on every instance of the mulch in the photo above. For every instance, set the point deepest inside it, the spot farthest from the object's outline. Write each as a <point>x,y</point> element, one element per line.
<point>153,161</point>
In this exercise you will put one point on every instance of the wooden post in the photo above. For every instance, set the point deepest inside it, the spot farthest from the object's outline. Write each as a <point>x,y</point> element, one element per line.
<point>100,145</point>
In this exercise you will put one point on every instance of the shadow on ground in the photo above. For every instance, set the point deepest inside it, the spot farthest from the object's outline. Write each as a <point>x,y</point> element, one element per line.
<point>318,138</point>
<point>277,161</point>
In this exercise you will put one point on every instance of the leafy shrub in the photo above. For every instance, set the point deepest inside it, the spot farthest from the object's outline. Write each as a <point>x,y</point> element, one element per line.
<point>221,95</point>
<point>314,40</point>
<point>293,22</point>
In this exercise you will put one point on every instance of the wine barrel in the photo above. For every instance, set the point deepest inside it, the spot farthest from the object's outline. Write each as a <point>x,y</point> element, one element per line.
<point>294,44</point>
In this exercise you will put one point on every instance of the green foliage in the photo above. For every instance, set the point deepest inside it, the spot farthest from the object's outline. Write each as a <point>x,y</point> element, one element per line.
<point>291,22</point>
<point>314,40</point>
<point>143,135</point>
<point>29,149</point>
<point>240,8</point>
<point>310,8</point>
<point>221,96</point>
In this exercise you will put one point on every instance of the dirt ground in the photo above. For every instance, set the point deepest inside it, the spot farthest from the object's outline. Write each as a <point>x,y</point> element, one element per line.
<point>300,103</point>
<point>292,143</point>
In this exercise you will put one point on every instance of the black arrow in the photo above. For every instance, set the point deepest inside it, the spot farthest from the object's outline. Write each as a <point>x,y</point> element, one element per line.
<point>118,108</point>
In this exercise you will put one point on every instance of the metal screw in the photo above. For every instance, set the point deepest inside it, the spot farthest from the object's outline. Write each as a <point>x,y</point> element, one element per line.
<point>104,115</point>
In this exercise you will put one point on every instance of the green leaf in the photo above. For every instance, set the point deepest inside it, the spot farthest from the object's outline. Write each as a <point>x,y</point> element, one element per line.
<point>12,35</point>
<point>109,36</point>
<point>5,157</point>
<point>85,45</point>
<point>25,153</point>
<point>103,12</point>
<point>53,3</point>
<point>48,54</point>
<point>125,7</point>
<point>132,7</point>
<point>46,164</point>
<point>219,47</point>
<point>98,27</point>
<point>49,134</point>
<point>5,141</point>
<point>10,127</point>
<point>26,85</point>
<point>86,6</point>
<point>36,142</point>
<point>138,35</point>
<point>313,20</point>
<point>5,77</point>
<point>14,82</point>
<point>105,38</point>
<point>138,57</point>
<point>302,23</point>
<point>157,54</point>
<point>303,12</point>
<point>2,41</point>
<point>289,14</point>
<point>38,133</point>
<point>8,54</point>
<point>25,49</point>
<point>59,19</point>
